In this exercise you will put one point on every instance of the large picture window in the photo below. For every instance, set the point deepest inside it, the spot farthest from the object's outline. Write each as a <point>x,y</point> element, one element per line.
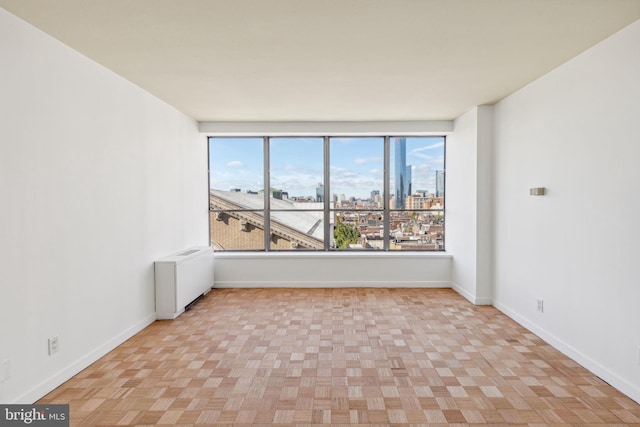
<point>327,193</point>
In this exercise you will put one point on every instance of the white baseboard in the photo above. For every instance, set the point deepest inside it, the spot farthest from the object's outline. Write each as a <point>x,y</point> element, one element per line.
<point>469,296</point>
<point>67,373</point>
<point>612,378</point>
<point>330,284</point>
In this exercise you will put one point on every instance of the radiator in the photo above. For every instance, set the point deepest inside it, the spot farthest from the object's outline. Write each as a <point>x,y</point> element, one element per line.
<point>181,278</point>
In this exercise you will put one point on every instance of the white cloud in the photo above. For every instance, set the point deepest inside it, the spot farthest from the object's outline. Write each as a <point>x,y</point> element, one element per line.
<point>337,170</point>
<point>364,160</point>
<point>428,147</point>
<point>235,164</point>
<point>422,156</point>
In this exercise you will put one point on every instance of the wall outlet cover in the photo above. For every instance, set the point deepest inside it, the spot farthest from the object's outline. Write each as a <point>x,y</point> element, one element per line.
<point>53,345</point>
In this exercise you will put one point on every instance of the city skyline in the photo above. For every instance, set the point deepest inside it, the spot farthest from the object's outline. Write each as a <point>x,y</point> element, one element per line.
<point>296,164</point>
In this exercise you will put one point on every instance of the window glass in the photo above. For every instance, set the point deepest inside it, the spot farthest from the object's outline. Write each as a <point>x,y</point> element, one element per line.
<point>297,193</point>
<point>356,176</point>
<point>352,213</point>
<point>357,172</point>
<point>416,193</point>
<point>236,199</point>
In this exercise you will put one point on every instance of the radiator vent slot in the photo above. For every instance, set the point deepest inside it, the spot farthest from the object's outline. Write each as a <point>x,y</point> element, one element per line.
<point>189,252</point>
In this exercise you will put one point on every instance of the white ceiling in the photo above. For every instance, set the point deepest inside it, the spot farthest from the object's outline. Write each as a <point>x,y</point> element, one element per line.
<point>328,60</point>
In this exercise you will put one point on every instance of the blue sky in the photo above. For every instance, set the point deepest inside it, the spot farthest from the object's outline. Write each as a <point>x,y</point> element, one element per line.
<point>356,164</point>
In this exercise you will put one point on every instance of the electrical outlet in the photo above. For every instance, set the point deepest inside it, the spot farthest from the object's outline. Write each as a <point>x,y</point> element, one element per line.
<point>5,370</point>
<point>53,345</point>
<point>540,306</point>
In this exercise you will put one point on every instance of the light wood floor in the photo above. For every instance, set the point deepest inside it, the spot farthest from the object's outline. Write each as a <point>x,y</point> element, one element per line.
<point>339,356</point>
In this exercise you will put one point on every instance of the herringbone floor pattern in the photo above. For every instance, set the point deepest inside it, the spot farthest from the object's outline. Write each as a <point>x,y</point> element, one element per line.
<point>339,357</point>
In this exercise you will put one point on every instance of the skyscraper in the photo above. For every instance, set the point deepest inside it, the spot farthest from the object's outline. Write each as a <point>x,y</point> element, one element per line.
<point>320,192</point>
<point>402,173</point>
<point>439,183</point>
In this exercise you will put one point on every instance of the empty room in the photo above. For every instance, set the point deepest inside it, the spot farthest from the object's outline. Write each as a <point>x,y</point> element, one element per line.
<point>400,212</point>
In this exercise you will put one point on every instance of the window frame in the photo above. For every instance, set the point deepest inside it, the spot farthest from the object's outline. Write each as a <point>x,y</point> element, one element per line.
<point>327,203</point>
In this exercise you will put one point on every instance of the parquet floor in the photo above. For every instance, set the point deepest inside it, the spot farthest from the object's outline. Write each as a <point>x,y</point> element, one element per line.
<point>339,357</point>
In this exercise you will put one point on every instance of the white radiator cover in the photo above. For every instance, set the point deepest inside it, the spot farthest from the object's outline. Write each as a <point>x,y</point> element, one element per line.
<point>181,278</point>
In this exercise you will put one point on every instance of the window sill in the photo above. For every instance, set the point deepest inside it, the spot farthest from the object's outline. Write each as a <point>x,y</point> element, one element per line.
<point>332,255</point>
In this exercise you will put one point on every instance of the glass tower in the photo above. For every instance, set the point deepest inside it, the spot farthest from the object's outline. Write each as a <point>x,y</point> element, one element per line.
<point>400,170</point>
<point>320,192</point>
<point>439,183</point>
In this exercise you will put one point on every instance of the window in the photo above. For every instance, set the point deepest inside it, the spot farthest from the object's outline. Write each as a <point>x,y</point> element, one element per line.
<point>327,193</point>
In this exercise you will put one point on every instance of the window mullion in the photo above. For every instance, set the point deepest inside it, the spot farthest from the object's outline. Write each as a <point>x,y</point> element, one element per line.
<point>267,195</point>
<point>385,199</point>
<point>327,192</point>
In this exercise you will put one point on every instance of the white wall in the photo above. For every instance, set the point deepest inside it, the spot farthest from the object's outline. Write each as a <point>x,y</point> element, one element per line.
<point>328,270</point>
<point>575,131</point>
<point>97,179</point>
<point>469,204</point>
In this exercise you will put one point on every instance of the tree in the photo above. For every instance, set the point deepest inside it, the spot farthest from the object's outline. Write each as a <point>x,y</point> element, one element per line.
<point>345,234</point>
